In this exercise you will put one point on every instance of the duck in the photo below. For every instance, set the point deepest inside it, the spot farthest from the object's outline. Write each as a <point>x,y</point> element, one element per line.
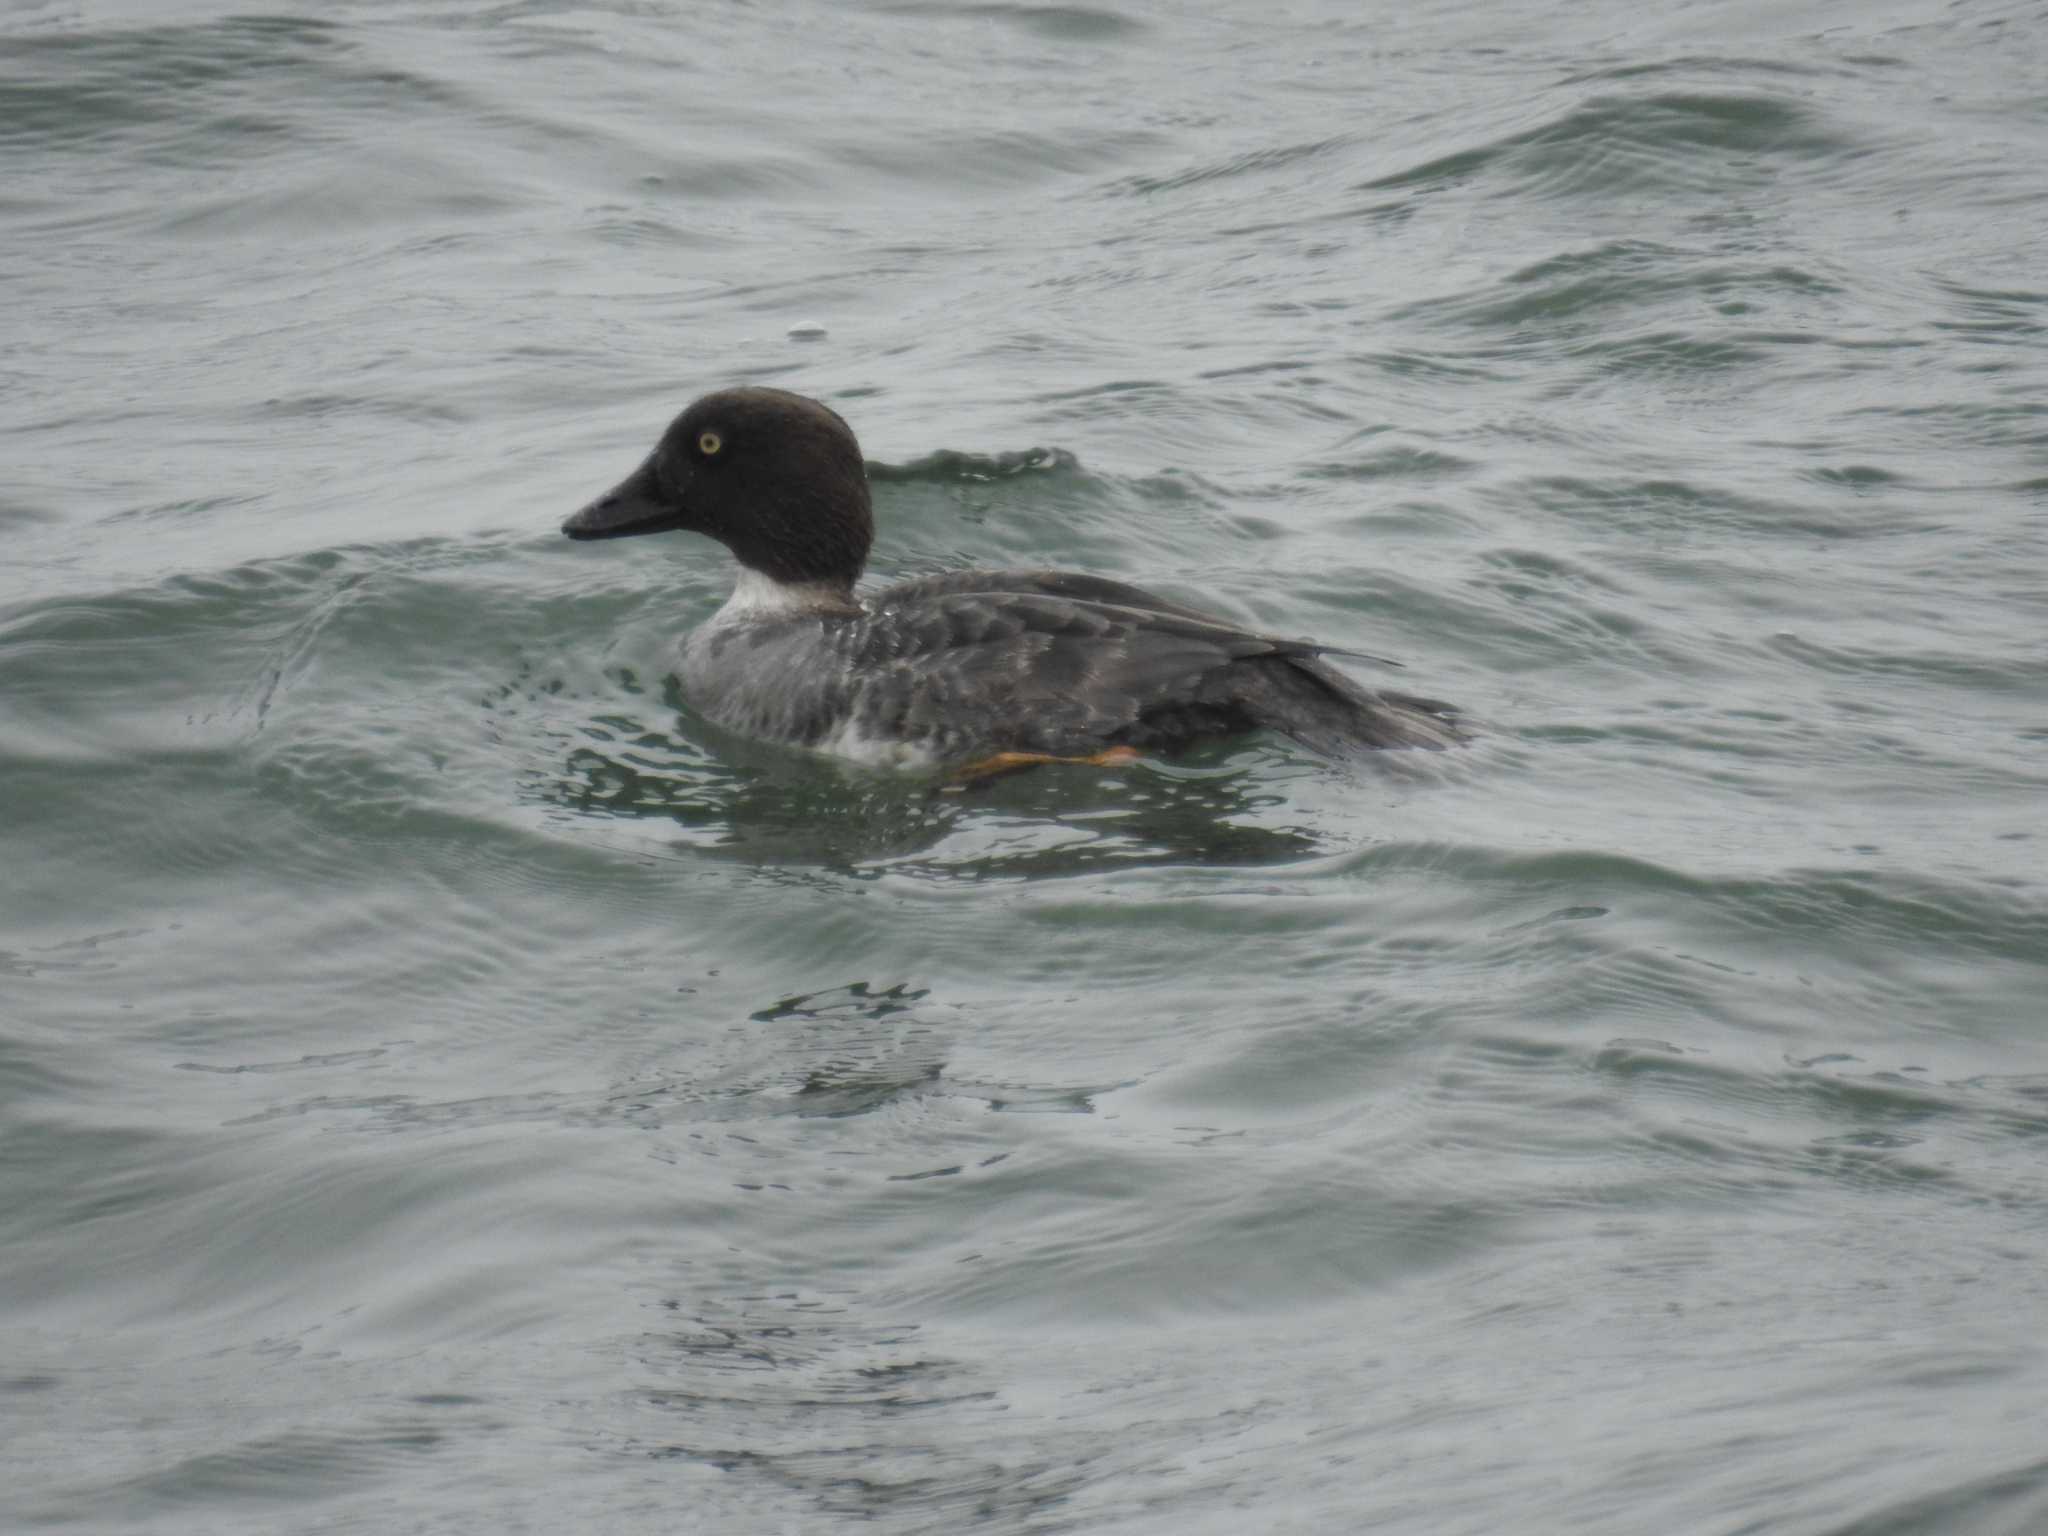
<point>970,672</point>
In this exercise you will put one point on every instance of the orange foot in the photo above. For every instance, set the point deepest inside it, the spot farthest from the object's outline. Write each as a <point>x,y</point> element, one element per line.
<point>1015,762</point>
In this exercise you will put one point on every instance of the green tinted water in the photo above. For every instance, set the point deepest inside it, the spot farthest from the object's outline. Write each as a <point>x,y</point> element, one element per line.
<point>445,1084</point>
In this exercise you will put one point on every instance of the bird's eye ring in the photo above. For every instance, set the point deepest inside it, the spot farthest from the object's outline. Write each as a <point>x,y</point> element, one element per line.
<point>709,443</point>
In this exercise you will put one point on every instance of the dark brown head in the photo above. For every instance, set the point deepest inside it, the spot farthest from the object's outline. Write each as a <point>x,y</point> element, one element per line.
<point>775,477</point>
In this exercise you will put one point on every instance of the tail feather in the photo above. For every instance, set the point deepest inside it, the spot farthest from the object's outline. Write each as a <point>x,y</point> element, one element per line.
<point>1328,713</point>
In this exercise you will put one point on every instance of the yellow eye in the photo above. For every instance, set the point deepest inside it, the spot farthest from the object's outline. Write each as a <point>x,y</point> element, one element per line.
<point>709,443</point>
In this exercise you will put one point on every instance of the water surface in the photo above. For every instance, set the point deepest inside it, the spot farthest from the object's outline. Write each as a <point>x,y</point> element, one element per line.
<point>446,1085</point>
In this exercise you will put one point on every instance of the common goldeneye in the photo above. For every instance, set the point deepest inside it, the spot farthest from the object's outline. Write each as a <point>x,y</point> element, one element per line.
<point>974,671</point>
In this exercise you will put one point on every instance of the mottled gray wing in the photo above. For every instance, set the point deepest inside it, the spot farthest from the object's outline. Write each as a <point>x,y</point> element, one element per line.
<point>1082,588</point>
<point>1033,671</point>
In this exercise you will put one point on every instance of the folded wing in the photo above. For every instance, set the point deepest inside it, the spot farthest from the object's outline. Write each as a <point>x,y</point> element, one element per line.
<point>1068,664</point>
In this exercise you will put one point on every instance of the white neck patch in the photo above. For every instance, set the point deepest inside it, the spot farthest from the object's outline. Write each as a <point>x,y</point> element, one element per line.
<point>756,596</point>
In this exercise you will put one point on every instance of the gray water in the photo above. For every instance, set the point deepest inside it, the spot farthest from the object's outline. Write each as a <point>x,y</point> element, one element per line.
<point>446,1086</point>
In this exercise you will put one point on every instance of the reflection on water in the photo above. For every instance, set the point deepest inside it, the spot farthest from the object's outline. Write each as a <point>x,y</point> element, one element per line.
<point>745,800</point>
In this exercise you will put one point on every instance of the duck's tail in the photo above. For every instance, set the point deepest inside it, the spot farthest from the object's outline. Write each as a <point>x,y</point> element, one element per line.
<point>1310,700</point>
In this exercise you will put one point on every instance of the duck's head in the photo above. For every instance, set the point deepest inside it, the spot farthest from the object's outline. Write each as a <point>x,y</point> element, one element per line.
<point>775,477</point>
